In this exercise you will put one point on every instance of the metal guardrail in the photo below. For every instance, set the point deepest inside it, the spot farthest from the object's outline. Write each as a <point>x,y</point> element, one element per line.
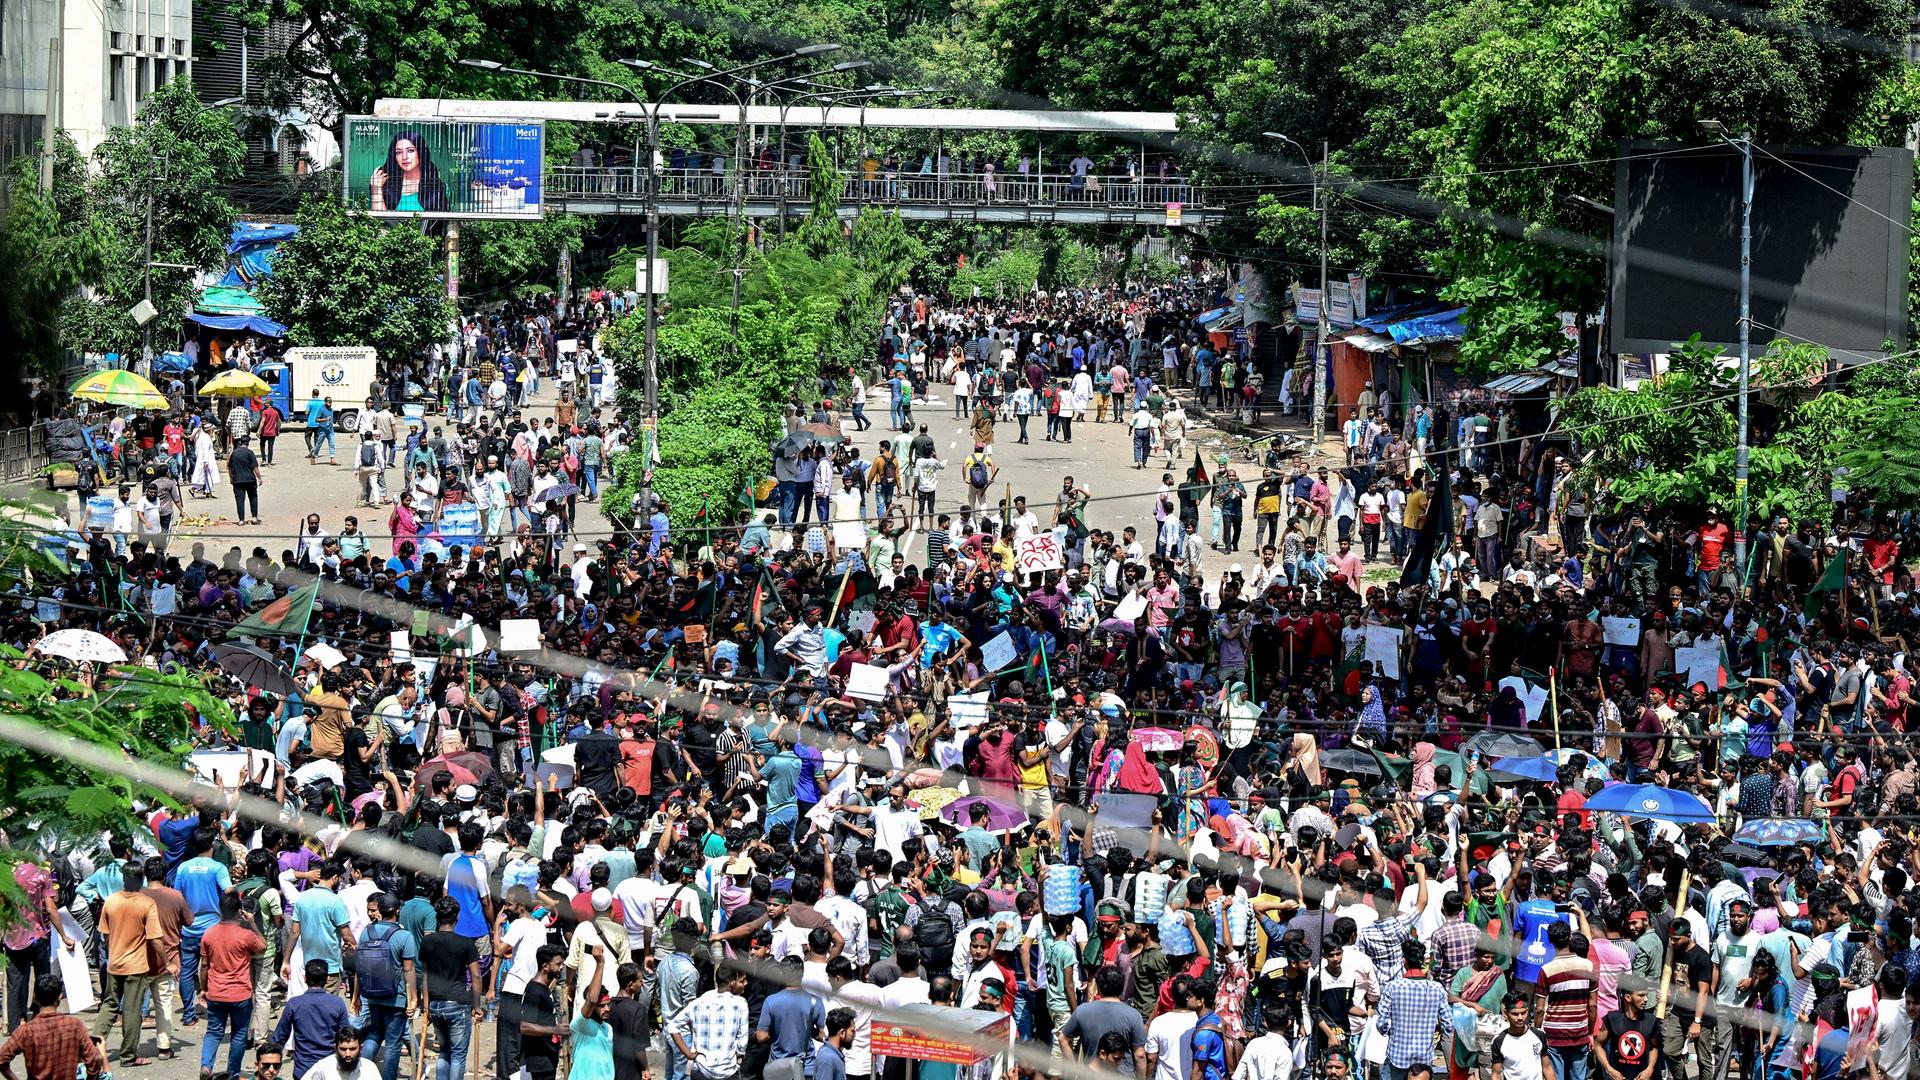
<point>881,189</point>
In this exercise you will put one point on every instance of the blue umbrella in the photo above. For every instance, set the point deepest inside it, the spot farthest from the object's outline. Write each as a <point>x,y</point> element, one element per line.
<point>1651,801</point>
<point>1779,832</point>
<point>1528,768</point>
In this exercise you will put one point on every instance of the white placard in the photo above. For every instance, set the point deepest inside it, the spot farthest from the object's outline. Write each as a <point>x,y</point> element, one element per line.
<point>1038,552</point>
<point>998,652</point>
<point>519,635</point>
<point>849,535</point>
<point>76,975</point>
<point>1620,630</point>
<point>400,646</point>
<point>566,346</point>
<point>658,286</point>
<point>1700,664</point>
<point>1533,697</point>
<point>967,710</point>
<point>232,768</point>
<point>867,682</point>
<point>328,656</point>
<point>1383,648</point>
<point>862,620</point>
<point>1131,608</point>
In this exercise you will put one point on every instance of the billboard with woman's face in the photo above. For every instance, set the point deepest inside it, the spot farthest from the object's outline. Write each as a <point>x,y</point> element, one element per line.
<point>444,168</point>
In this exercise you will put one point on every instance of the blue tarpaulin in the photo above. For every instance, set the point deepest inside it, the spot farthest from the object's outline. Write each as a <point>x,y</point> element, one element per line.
<point>247,234</point>
<point>258,324</point>
<point>1206,317</point>
<point>1424,329</point>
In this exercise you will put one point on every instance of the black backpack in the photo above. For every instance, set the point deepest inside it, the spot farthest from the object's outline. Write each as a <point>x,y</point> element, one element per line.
<point>937,934</point>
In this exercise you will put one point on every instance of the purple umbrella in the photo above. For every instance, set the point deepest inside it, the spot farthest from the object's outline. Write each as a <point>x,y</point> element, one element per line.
<point>1002,817</point>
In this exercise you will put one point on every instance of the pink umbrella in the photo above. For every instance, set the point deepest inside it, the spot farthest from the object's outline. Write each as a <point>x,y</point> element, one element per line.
<point>1001,816</point>
<point>1156,739</point>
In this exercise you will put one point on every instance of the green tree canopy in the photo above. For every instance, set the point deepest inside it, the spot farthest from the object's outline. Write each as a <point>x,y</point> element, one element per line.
<point>349,279</point>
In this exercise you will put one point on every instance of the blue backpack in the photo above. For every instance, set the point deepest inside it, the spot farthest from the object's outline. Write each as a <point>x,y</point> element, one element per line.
<point>379,968</point>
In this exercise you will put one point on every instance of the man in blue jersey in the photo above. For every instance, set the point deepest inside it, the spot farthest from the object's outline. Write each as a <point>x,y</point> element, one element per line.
<point>1530,922</point>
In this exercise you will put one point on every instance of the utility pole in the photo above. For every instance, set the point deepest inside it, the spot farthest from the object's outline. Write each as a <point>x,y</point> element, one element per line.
<point>1321,350</point>
<point>56,93</point>
<point>1746,333</point>
<point>1744,144</point>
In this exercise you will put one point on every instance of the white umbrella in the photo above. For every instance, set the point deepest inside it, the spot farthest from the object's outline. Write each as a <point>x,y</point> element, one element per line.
<point>81,646</point>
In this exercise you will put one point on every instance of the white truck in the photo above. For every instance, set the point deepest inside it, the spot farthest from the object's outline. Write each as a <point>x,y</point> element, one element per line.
<point>340,372</point>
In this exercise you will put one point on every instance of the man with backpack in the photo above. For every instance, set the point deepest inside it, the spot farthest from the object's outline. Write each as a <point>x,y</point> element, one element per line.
<point>383,969</point>
<point>936,923</point>
<point>262,908</point>
<point>979,470</point>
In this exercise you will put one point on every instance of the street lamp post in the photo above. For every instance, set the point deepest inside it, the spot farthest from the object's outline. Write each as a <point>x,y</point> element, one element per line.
<point>826,97</point>
<point>1321,348</point>
<point>1744,144</point>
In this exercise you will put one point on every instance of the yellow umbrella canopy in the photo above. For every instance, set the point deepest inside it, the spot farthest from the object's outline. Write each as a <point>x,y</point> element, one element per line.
<point>235,383</point>
<point>118,386</point>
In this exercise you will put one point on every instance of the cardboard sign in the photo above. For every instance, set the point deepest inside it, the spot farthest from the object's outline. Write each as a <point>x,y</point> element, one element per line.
<point>1383,648</point>
<point>1533,697</point>
<point>1619,630</point>
<point>328,656</point>
<point>967,710</point>
<point>997,652</point>
<point>519,635</point>
<point>1700,664</point>
<point>1038,552</point>
<point>867,682</point>
<point>400,645</point>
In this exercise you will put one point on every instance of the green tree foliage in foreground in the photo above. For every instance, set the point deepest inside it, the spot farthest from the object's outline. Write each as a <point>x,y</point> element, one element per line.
<point>48,801</point>
<point>349,279</point>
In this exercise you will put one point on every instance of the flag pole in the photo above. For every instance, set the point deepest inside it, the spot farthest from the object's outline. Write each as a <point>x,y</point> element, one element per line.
<point>841,593</point>
<point>1553,702</point>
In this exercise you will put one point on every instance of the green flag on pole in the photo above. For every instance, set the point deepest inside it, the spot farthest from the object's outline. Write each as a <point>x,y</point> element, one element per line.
<point>285,617</point>
<point>1834,579</point>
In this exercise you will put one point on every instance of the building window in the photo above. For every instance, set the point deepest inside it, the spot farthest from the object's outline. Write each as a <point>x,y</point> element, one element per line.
<point>179,45</point>
<point>119,39</point>
<point>116,78</point>
<point>140,84</point>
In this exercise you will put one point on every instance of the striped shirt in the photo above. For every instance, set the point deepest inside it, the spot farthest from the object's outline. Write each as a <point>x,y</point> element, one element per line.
<point>1569,984</point>
<point>937,544</point>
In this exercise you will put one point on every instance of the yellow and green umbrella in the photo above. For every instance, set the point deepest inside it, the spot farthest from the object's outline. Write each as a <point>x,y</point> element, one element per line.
<point>235,383</point>
<point>118,386</point>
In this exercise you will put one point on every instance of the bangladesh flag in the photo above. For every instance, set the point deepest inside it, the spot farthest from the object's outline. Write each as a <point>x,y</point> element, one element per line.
<point>1833,580</point>
<point>862,592</point>
<point>746,500</point>
<point>285,617</point>
<point>766,598</point>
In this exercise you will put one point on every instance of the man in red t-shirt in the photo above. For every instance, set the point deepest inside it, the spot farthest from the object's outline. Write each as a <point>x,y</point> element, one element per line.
<point>1712,540</point>
<point>1882,552</point>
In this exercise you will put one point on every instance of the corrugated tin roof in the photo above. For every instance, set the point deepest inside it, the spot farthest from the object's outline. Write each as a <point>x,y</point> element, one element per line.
<point>1370,342</point>
<point>1524,382</point>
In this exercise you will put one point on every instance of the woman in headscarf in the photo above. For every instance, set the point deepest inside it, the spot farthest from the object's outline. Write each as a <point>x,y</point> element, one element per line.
<point>1373,715</point>
<point>1424,783</point>
<point>1191,785</point>
<point>1301,774</point>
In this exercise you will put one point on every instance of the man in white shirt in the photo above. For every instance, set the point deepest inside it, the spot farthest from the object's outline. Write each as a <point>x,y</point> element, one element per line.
<point>1269,1056</point>
<point>1169,1051</point>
